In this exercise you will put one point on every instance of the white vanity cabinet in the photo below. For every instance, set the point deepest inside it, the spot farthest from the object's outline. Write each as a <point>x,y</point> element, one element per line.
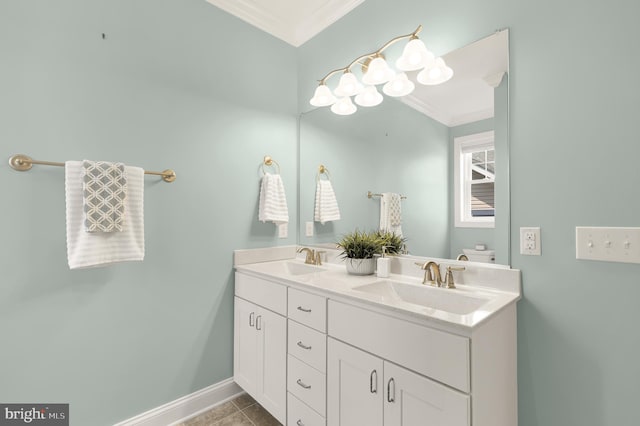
<point>313,356</point>
<point>260,342</point>
<point>366,390</point>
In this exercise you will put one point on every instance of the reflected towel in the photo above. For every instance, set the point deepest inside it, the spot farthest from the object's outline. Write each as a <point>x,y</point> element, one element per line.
<point>391,213</point>
<point>95,249</point>
<point>326,208</point>
<point>104,191</point>
<point>273,201</point>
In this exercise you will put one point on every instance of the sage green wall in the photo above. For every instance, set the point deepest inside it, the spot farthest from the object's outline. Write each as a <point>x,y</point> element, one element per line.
<point>573,158</point>
<point>173,84</point>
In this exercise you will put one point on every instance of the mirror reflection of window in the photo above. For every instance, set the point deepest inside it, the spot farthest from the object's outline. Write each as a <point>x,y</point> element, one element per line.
<point>474,170</point>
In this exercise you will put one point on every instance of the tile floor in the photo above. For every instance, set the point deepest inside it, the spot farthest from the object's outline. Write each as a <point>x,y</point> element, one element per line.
<point>241,411</point>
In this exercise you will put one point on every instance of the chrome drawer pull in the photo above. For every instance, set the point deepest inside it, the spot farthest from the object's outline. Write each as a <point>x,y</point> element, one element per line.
<point>372,382</point>
<point>259,322</point>
<point>251,319</point>
<point>301,383</point>
<point>389,397</point>
<point>300,308</point>
<point>299,423</point>
<point>303,346</point>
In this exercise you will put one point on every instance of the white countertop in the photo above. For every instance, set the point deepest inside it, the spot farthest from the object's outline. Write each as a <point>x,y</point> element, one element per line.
<point>466,306</point>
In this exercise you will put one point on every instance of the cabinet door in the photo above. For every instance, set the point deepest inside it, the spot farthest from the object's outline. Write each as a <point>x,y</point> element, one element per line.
<point>354,386</point>
<point>245,348</point>
<point>414,400</point>
<point>272,358</point>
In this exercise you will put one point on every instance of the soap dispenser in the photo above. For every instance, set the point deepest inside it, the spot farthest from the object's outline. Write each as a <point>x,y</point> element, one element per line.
<point>383,265</point>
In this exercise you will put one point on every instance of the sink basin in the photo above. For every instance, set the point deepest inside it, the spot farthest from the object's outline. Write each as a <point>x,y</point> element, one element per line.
<point>295,268</point>
<point>286,268</point>
<point>429,297</point>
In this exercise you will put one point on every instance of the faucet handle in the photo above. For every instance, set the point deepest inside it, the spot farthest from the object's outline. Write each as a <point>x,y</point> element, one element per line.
<point>318,257</point>
<point>449,278</point>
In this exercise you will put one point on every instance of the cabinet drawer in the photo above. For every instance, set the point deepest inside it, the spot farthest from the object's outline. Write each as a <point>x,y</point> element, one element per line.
<point>307,383</point>
<point>308,345</point>
<point>262,292</point>
<point>308,309</point>
<point>299,414</point>
<point>433,353</point>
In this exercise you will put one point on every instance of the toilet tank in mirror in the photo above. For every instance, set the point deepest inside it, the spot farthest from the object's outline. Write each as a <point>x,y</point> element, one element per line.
<point>406,146</point>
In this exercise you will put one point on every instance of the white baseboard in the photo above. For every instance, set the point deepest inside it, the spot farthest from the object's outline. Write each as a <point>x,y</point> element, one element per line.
<point>187,406</point>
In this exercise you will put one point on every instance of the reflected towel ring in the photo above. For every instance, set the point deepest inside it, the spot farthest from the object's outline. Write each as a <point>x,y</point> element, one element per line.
<point>322,170</point>
<point>268,161</point>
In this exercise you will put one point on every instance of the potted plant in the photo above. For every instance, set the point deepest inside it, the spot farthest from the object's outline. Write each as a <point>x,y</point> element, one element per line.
<point>358,250</point>
<point>394,244</point>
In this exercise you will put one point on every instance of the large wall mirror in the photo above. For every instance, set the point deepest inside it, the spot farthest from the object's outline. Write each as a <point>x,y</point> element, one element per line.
<point>406,146</point>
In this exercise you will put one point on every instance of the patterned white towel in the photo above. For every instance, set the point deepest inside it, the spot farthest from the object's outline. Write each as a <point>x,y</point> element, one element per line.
<point>98,249</point>
<point>273,201</point>
<point>104,191</point>
<point>391,213</point>
<point>326,208</point>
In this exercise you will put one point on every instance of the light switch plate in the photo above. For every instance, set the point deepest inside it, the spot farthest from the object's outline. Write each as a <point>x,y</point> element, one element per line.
<point>308,229</point>
<point>530,243</point>
<point>609,244</point>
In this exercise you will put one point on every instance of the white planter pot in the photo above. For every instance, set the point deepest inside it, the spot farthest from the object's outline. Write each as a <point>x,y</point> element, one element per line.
<point>361,266</point>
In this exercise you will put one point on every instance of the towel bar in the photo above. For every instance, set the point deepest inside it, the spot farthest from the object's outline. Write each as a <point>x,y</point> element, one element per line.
<point>23,163</point>
<point>371,195</point>
<point>268,161</point>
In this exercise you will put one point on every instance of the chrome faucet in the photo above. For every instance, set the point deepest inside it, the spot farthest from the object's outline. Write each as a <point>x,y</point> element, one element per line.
<point>433,276</point>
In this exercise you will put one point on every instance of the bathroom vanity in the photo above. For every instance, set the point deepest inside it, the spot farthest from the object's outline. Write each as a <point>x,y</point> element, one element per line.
<point>316,346</point>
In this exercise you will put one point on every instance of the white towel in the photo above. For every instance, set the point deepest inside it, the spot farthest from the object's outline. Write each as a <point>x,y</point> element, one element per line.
<point>104,189</point>
<point>273,201</point>
<point>95,249</point>
<point>326,204</point>
<point>391,213</point>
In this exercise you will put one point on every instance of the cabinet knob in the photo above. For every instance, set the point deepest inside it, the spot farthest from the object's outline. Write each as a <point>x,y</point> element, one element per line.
<point>299,423</point>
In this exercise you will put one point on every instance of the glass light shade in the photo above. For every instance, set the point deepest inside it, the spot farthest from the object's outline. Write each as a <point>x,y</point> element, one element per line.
<point>344,106</point>
<point>436,72</point>
<point>399,86</point>
<point>369,97</point>
<point>414,56</point>
<point>348,85</point>
<point>322,97</point>
<point>378,72</point>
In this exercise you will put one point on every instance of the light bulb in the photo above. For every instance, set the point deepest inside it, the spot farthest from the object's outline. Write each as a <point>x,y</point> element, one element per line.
<point>378,72</point>
<point>399,86</point>
<point>348,85</point>
<point>344,106</point>
<point>414,56</point>
<point>322,97</point>
<point>436,72</point>
<point>369,97</point>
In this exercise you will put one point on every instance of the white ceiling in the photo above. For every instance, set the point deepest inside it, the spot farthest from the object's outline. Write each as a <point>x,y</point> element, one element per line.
<point>466,98</point>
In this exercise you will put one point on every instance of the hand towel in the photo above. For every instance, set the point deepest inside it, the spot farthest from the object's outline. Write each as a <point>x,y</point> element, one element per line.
<point>391,213</point>
<point>273,201</point>
<point>98,249</point>
<point>104,192</point>
<point>326,208</point>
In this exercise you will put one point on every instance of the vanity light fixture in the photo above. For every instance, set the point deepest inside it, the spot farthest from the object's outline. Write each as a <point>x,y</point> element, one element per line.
<point>376,71</point>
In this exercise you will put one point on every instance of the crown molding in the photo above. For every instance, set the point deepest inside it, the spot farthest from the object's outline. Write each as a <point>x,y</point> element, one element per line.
<point>427,109</point>
<point>295,28</point>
